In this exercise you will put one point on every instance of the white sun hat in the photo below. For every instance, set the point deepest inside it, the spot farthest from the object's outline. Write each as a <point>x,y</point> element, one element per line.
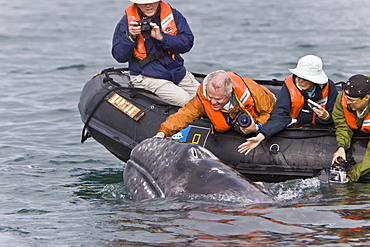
<point>309,68</point>
<point>144,1</point>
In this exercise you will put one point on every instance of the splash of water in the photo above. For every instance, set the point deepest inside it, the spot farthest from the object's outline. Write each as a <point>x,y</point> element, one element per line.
<point>292,189</point>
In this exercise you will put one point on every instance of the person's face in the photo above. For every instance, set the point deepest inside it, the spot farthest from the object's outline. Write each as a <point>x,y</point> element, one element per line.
<point>149,9</point>
<point>305,84</point>
<point>356,103</point>
<point>217,98</point>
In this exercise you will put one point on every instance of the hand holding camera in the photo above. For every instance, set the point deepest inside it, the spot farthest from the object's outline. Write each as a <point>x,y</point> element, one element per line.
<point>318,109</point>
<point>337,172</point>
<point>243,120</point>
<point>144,27</point>
<point>245,123</point>
<point>312,104</point>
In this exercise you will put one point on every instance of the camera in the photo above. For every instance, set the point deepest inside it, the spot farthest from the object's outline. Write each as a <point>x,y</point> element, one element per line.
<point>243,120</point>
<point>337,173</point>
<point>312,104</point>
<point>145,27</point>
<point>340,161</point>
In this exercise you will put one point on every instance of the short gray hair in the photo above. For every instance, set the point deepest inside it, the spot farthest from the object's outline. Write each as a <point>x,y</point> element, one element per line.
<point>226,81</point>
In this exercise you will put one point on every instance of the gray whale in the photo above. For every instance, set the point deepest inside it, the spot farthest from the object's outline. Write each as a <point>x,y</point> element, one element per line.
<point>160,168</point>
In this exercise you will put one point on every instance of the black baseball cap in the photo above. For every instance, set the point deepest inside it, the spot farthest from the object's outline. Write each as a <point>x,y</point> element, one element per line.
<point>358,86</point>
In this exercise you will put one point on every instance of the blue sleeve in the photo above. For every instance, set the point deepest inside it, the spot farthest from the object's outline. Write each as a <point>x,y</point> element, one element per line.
<point>279,117</point>
<point>122,47</point>
<point>183,41</point>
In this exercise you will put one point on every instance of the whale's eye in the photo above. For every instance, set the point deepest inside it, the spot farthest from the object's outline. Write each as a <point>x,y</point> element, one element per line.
<point>194,152</point>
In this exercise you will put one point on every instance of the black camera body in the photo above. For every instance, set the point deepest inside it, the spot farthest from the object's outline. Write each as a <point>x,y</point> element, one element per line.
<point>244,120</point>
<point>340,161</point>
<point>145,27</point>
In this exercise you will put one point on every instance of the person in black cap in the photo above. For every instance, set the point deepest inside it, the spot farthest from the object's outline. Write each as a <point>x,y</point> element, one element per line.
<point>352,111</point>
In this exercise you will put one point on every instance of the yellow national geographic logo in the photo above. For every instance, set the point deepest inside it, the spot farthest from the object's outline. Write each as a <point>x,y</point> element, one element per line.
<point>196,138</point>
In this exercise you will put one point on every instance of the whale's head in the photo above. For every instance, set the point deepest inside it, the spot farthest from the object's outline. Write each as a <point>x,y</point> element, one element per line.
<point>165,167</point>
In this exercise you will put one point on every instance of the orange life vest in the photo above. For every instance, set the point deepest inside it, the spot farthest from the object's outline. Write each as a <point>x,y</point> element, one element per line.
<point>351,119</point>
<point>167,23</point>
<point>243,96</point>
<point>297,99</point>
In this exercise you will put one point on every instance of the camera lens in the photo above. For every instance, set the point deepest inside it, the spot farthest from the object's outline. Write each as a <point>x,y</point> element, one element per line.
<point>244,120</point>
<point>146,29</point>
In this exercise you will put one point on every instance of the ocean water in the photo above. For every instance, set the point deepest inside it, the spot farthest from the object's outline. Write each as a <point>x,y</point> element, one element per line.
<point>56,191</point>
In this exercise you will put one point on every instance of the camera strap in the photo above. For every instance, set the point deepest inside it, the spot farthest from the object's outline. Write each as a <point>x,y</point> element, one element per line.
<point>151,57</point>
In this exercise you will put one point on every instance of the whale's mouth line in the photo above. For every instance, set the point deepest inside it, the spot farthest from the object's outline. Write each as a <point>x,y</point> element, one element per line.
<point>148,178</point>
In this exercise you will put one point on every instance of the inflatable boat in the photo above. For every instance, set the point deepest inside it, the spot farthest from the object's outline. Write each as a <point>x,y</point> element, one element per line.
<point>119,117</point>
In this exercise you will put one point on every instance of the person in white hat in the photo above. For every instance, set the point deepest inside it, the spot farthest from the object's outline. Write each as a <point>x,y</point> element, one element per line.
<point>150,37</point>
<point>307,97</point>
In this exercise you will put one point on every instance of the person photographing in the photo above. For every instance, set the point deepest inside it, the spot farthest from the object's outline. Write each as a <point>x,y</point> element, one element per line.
<point>228,100</point>
<point>351,113</point>
<point>150,37</point>
<point>307,97</point>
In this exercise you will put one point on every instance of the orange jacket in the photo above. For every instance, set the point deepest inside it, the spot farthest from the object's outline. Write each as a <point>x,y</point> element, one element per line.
<point>297,99</point>
<point>167,22</point>
<point>261,97</point>
<point>351,118</point>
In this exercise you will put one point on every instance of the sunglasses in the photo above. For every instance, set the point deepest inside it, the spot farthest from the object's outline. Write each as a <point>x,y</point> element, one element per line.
<point>350,100</point>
